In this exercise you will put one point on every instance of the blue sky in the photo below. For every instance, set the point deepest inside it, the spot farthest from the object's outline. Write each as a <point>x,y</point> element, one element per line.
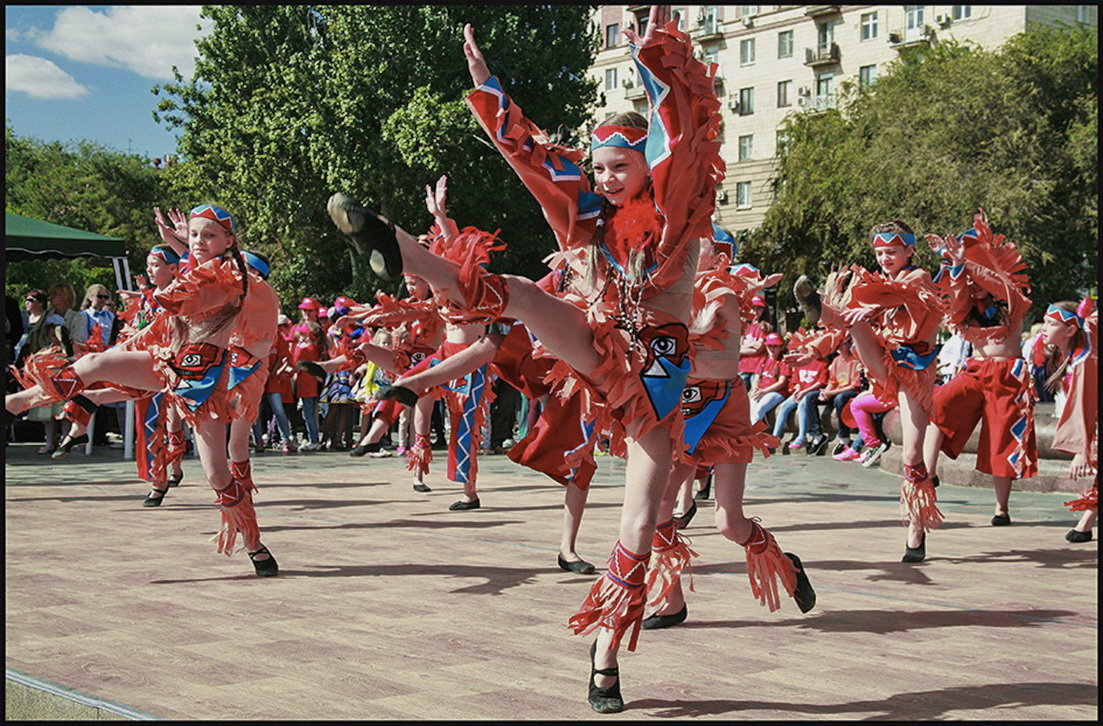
<point>86,71</point>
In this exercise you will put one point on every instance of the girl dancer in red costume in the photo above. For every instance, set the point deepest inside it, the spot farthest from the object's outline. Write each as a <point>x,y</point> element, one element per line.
<point>719,433</point>
<point>629,258</point>
<point>983,279</point>
<point>159,442</point>
<point>185,354</point>
<point>1074,331</point>
<point>892,317</point>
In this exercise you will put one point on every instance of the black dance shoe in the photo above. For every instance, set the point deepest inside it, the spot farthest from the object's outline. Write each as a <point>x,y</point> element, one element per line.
<point>312,368</point>
<point>419,487</point>
<point>706,490</point>
<point>370,234</point>
<point>683,521</point>
<point>67,445</point>
<point>916,554</point>
<point>155,501</point>
<point>175,479</point>
<point>658,622</point>
<point>464,504</point>
<point>1076,536</point>
<point>804,595</point>
<point>604,700</point>
<point>268,567</point>
<point>1001,520</point>
<point>398,393</point>
<point>582,567</point>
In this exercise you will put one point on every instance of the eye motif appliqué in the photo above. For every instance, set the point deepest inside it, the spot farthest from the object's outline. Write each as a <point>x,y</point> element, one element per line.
<point>666,365</point>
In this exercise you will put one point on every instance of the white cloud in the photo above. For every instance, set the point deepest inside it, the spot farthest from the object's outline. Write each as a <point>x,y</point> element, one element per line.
<point>39,78</point>
<point>146,39</point>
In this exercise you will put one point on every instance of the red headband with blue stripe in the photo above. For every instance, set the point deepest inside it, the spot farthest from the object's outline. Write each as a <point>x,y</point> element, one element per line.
<point>626,137</point>
<point>888,239</point>
<point>1061,315</point>
<point>216,214</point>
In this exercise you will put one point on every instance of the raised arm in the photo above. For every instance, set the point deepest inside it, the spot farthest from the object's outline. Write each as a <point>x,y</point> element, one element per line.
<point>552,173</point>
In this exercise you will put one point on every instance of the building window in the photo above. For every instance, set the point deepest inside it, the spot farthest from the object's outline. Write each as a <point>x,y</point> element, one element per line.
<point>748,11</point>
<point>825,91</point>
<point>784,94</point>
<point>869,26</point>
<point>746,52</point>
<point>612,35</point>
<point>746,147</point>
<point>913,22</point>
<point>743,195</point>
<point>781,142</point>
<point>746,101</point>
<point>962,12</point>
<point>641,24</point>
<point>610,78</point>
<point>867,76</point>
<point>785,44</point>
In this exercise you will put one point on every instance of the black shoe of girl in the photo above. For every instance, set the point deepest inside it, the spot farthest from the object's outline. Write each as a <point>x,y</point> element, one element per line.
<point>1001,520</point>
<point>658,622</point>
<point>155,501</point>
<point>399,393</point>
<point>268,567</point>
<point>804,595</point>
<point>604,700</point>
<point>1076,536</point>
<point>464,504</point>
<point>916,554</point>
<point>370,233</point>
<point>818,447</point>
<point>312,368</point>
<point>683,521</point>
<point>67,445</point>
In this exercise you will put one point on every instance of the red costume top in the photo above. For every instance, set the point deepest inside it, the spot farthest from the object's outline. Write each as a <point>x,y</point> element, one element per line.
<point>1078,426</point>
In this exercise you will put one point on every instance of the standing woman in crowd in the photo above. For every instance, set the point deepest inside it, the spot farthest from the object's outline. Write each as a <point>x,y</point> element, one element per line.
<point>96,313</point>
<point>45,328</point>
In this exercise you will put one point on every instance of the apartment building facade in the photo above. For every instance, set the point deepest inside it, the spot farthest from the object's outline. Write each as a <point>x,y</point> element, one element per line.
<point>774,60</point>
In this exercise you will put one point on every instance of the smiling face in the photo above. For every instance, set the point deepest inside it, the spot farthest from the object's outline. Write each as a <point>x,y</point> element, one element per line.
<point>619,174</point>
<point>893,258</point>
<point>207,239</point>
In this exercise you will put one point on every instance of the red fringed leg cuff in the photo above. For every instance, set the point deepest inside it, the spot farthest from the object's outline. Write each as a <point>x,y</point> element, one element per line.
<point>176,447</point>
<point>419,455</point>
<point>617,600</point>
<point>672,557</point>
<point>485,294</point>
<point>238,516</point>
<point>766,566</point>
<point>242,471</point>
<point>918,499</point>
<point>1089,499</point>
<point>51,371</point>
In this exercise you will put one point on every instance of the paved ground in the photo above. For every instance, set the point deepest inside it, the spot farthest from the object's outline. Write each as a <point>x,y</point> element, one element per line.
<point>390,607</point>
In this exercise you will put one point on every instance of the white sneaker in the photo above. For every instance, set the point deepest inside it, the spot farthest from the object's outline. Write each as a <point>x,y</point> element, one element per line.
<point>875,455</point>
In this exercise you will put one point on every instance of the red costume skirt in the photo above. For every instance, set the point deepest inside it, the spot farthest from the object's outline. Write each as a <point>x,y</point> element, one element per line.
<point>996,393</point>
<point>718,428</point>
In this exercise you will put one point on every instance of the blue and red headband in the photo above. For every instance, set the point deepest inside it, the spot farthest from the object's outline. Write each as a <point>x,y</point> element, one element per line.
<point>626,137</point>
<point>1061,315</point>
<point>258,263</point>
<point>216,214</point>
<point>889,239</point>
<point>167,255</point>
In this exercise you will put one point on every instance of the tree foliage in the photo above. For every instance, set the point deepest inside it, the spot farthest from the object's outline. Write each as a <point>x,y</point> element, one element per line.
<point>82,185</point>
<point>291,103</point>
<point>941,133</point>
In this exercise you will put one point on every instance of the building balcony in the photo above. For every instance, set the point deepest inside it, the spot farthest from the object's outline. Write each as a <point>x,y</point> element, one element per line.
<point>633,91</point>
<point>900,40</point>
<point>821,55</point>
<point>707,30</point>
<point>819,11</point>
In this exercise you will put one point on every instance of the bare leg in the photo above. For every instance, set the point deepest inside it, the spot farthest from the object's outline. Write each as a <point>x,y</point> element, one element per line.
<point>574,502</point>
<point>932,447</point>
<point>680,476</point>
<point>1002,486</point>
<point>238,445</point>
<point>379,427</point>
<point>647,472</point>
<point>1087,520</point>
<point>913,424</point>
<point>129,367</point>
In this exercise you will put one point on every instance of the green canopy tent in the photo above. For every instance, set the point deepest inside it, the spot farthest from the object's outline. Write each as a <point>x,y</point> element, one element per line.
<point>33,239</point>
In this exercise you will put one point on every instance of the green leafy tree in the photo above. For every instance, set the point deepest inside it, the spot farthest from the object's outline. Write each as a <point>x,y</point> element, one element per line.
<point>941,133</point>
<point>82,185</point>
<point>291,103</point>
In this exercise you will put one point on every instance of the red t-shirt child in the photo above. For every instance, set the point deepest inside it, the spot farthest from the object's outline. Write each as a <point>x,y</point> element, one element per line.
<point>772,370</point>
<point>752,363</point>
<point>306,385</point>
<point>810,374</point>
